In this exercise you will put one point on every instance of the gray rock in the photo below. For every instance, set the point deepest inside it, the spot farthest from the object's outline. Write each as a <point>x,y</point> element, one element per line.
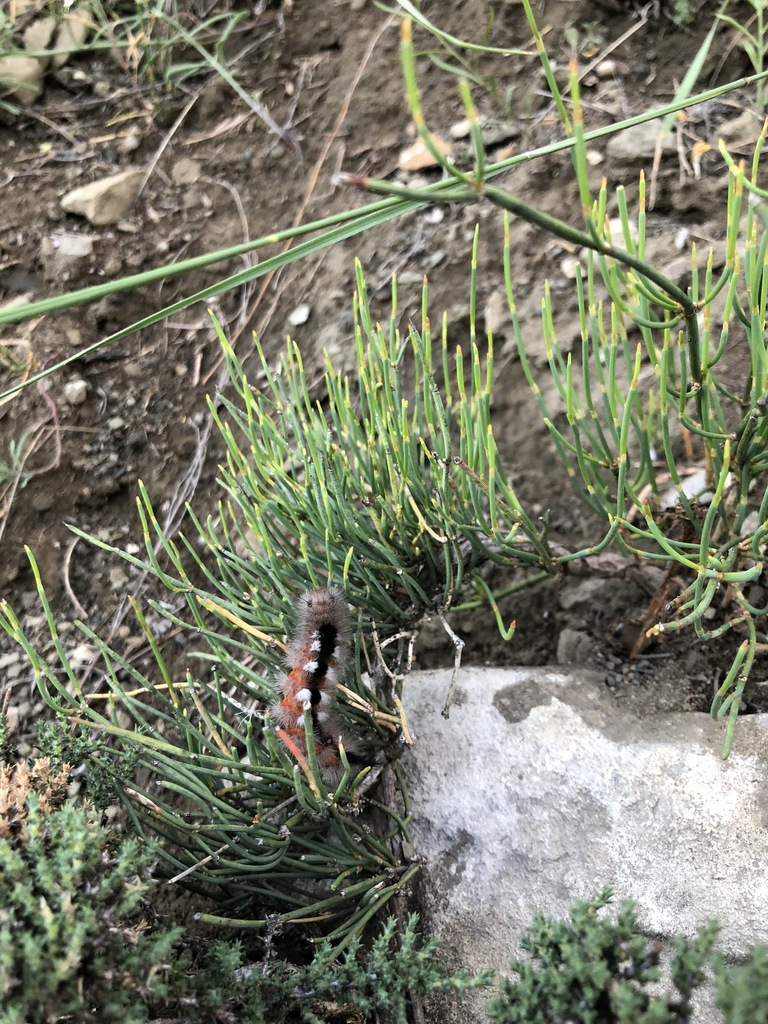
<point>106,201</point>
<point>62,254</point>
<point>186,171</point>
<point>72,32</point>
<point>574,647</point>
<point>75,391</point>
<point>584,593</point>
<point>539,790</point>
<point>740,132</point>
<point>21,79</point>
<point>638,144</point>
<point>38,35</point>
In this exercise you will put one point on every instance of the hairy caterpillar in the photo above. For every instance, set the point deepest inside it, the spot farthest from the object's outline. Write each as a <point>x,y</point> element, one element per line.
<point>317,656</point>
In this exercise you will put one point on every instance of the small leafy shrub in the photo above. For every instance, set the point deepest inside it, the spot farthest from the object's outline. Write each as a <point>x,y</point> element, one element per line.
<point>73,938</point>
<point>64,744</point>
<point>388,977</point>
<point>594,968</point>
<point>75,942</point>
<point>742,990</point>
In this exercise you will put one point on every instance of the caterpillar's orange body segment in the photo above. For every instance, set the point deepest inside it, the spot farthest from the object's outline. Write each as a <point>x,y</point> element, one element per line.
<point>317,656</point>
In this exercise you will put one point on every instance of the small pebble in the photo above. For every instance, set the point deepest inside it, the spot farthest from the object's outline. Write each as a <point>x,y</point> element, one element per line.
<point>606,68</point>
<point>130,141</point>
<point>461,129</point>
<point>11,673</point>
<point>300,315</point>
<point>42,502</point>
<point>12,718</point>
<point>82,655</point>
<point>137,438</point>
<point>117,578</point>
<point>434,215</point>
<point>416,157</point>
<point>75,391</point>
<point>570,267</point>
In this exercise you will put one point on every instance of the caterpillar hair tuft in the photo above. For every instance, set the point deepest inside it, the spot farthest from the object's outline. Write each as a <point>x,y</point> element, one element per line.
<point>318,654</point>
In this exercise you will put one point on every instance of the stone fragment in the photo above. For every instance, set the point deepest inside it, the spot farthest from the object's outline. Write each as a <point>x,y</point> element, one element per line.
<point>497,312</point>
<point>740,132</point>
<point>61,254</point>
<point>42,502</point>
<point>75,391</point>
<point>21,79</point>
<point>493,130</point>
<point>118,578</point>
<point>82,655</point>
<point>417,156</point>
<point>72,32</point>
<point>38,35</point>
<point>638,144</point>
<point>571,267</point>
<point>106,201</point>
<point>607,68</point>
<point>130,141</point>
<point>300,315</point>
<point>574,647</point>
<point>186,171</point>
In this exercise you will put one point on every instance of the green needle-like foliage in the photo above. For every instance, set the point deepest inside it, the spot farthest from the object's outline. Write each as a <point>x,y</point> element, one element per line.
<point>385,482</point>
<point>394,487</point>
<point>652,372</point>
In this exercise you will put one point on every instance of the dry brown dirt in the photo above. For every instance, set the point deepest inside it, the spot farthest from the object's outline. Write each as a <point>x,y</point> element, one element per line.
<point>328,72</point>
